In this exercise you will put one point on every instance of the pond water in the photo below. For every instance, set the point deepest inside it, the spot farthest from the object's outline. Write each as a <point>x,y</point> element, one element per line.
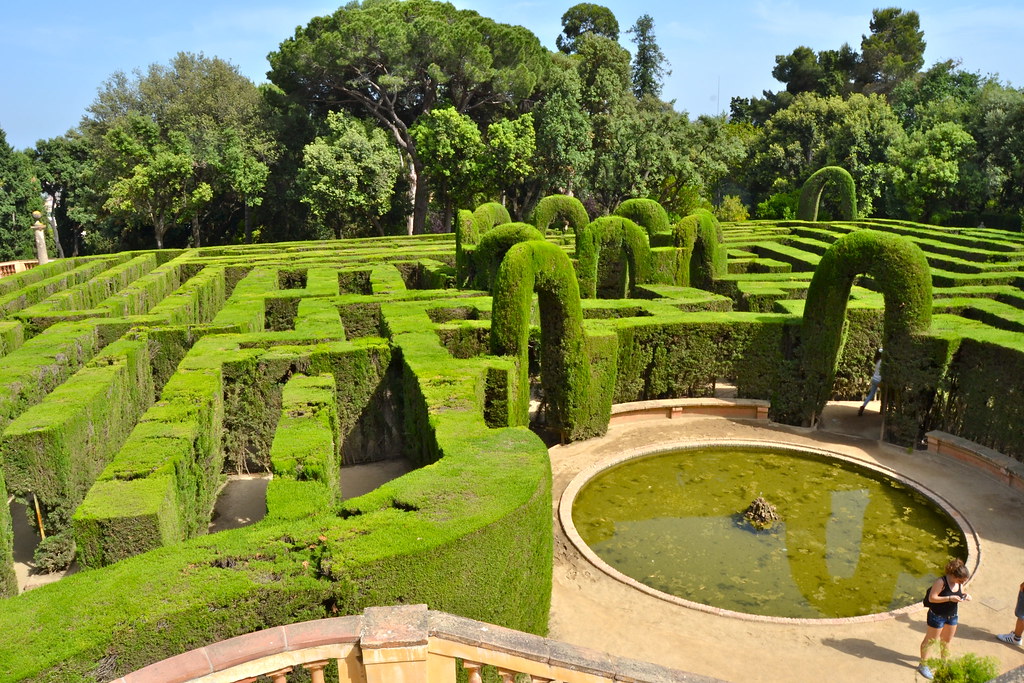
<point>849,540</point>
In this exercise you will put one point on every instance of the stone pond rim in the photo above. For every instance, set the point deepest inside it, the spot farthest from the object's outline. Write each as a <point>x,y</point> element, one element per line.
<point>565,505</point>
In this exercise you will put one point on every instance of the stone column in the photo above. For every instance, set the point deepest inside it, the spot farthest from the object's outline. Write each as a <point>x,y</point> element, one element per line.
<point>39,228</point>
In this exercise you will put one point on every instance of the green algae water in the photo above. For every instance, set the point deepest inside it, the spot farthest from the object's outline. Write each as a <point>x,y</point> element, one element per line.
<point>849,540</point>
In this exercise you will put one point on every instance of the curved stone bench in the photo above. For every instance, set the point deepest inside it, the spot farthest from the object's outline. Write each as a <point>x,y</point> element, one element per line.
<point>1002,467</point>
<point>743,408</point>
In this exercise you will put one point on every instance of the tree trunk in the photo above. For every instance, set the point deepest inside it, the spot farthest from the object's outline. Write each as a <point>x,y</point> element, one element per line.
<point>56,235</point>
<point>414,189</point>
<point>248,221</point>
<point>195,231</point>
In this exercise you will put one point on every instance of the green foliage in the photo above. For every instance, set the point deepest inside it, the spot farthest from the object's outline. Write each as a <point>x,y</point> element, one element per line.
<point>414,56</point>
<point>967,668</point>
<point>708,261</point>
<point>564,211</point>
<point>451,148</point>
<point>348,175</point>
<point>488,215</point>
<point>585,18</point>
<point>893,52</point>
<point>493,246</point>
<point>731,209</point>
<point>841,183</point>
<point>19,197</point>
<point>8,579</point>
<point>648,61</point>
<point>645,212</point>
<point>901,271</point>
<point>614,256</point>
<point>780,206</point>
<point>930,170</point>
<point>571,410</point>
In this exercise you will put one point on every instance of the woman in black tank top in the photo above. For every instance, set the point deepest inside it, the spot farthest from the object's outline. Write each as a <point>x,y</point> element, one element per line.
<point>943,599</point>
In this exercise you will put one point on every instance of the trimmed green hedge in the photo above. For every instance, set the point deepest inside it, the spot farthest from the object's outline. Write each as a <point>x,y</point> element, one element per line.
<point>564,354</point>
<point>489,215</point>
<point>645,212</point>
<point>56,449</point>
<point>562,210</point>
<point>900,269</point>
<point>626,258</point>
<point>492,248</point>
<point>8,579</point>
<point>842,183</point>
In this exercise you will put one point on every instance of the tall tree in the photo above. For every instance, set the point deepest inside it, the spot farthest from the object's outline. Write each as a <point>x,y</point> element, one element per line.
<point>201,107</point>
<point>19,197</point>
<point>348,175</point>
<point>395,60</point>
<point>452,148</point>
<point>582,19</point>
<point>649,62</point>
<point>893,52</point>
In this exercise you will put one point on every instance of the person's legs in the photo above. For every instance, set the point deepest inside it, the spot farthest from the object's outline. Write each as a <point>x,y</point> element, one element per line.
<point>931,636</point>
<point>946,636</point>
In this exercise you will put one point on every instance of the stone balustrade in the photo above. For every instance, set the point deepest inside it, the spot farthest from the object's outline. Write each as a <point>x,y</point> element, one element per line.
<point>403,644</point>
<point>13,267</point>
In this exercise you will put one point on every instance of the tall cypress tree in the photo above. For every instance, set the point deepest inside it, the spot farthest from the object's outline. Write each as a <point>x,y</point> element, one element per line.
<point>649,62</point>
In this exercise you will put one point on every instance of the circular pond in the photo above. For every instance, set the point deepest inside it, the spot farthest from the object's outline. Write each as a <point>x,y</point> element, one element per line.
<point>849,539</point>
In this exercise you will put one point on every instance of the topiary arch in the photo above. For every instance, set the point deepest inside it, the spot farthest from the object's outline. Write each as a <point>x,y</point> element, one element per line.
<point>562,208</point>
<point>900,270</point>
<point>810,194</point>
<point>493,246</point>
<point>608,237</point>
<point>564,361</point>
<point>645,212</point>
<point>708,259</point>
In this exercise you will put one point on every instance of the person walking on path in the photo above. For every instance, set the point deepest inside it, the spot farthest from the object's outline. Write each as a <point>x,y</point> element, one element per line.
<point>876,379</point>
<point>942,601</point>
<point>1018,629</point>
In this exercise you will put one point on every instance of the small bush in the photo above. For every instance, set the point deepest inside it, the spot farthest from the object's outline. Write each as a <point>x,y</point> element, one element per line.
<point>967,668</point>
<point>55,553</point>
<point>731,209</point>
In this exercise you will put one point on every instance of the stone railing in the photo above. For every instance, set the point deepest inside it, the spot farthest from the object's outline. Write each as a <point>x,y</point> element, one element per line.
<point>402,644</point>
<point>12,267</point>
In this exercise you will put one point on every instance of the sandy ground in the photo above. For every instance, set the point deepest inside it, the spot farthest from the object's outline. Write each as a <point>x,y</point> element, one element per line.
<point>592,609</point>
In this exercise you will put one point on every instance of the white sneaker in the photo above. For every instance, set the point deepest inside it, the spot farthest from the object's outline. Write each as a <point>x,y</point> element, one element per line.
<point>1010,639</point>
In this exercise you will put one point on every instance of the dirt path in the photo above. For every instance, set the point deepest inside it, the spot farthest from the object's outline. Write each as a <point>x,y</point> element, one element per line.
<point>591,609</point>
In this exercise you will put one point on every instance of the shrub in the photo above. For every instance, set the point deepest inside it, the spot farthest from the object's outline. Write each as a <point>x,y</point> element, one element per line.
<point>492,248</point>
<point>604,249</point>
<point>967,668</point>
<point>731,210</point>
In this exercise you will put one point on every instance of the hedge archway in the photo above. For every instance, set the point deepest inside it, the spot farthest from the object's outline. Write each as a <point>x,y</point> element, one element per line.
<point>900,270</point>
<point>708,258</point>
<point>493,246</point>
<point>560,207</point>
<point>611,236</point>
<point>646,213</point>
<point>565,365</point>
<point>842,182</point>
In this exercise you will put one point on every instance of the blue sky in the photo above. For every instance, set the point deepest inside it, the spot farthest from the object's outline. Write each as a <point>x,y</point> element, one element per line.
<point>54,57</point>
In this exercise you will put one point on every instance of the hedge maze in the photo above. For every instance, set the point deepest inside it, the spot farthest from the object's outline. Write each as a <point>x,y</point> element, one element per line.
<point>130,385</point>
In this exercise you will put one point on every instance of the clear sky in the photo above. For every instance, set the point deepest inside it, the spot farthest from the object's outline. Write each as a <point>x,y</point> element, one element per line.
<point>55,56</point>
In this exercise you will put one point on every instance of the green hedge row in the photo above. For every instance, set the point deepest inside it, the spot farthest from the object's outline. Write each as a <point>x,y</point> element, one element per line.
<point>57,448</point>
<point>8,579</point>
<point>305,454</point>
<point>491,249</point>
<point>645,212</point>
<point>85,270</point>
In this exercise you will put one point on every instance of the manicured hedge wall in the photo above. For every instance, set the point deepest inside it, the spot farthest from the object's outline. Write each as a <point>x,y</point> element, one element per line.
<point>8,579</point>
<point>492,248</point>
<point>900,269</point>
<point>56,449</point>
<point>646,213</point>
<point>841,182</point>
<point>565,356</point>
<point>614,256</point>
<point>562,210</point>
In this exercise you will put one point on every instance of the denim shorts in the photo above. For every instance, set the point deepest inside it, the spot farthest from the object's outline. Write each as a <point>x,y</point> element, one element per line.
<point>937,621</point>
<point>1019,612</point>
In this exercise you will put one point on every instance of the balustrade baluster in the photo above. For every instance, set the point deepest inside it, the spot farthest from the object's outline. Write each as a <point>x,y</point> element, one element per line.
<point>316,670</point>
<point>474,671</point>
<point>281,675</point>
